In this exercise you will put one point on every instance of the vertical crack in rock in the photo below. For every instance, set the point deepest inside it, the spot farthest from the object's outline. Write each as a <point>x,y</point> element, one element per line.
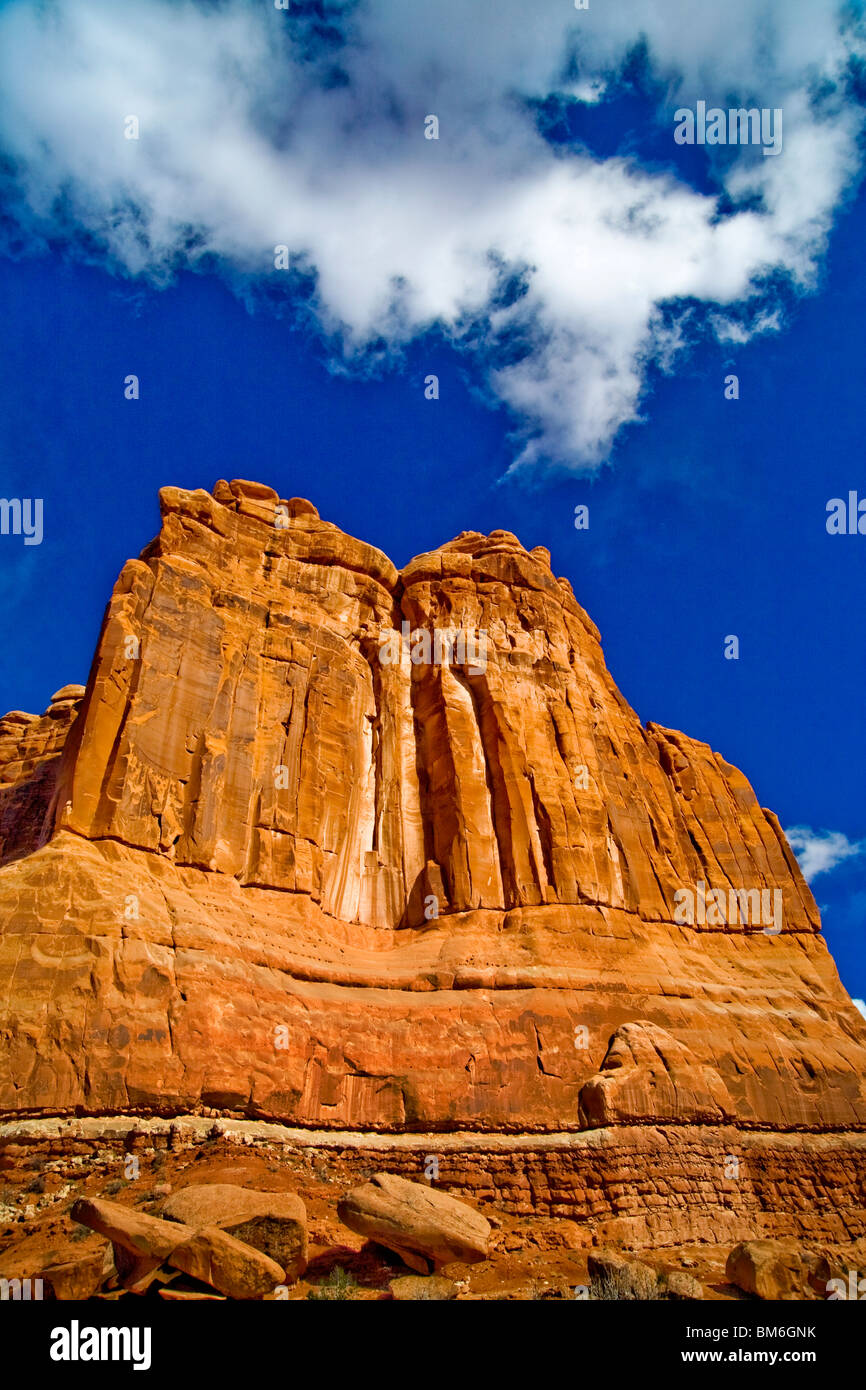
<point>493,819</point>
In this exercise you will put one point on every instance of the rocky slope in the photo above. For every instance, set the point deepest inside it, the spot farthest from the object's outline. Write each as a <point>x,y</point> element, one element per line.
<point>281,862</point>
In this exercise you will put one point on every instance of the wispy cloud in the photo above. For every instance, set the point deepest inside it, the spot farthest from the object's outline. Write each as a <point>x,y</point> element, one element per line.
<point>819,851</point>
<point>560,272</point>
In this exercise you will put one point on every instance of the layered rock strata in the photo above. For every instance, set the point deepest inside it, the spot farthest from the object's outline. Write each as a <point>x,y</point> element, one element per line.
<point>294,861</point>
<point>644,1186</point>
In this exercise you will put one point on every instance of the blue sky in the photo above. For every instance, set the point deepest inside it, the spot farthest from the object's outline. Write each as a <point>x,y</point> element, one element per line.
<point>580,285</point>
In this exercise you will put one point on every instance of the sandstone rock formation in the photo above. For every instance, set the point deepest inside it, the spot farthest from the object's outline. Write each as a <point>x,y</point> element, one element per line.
<point>237,1270</point>
<point>76,1280</point>
<point>271,864</point>
<point>648,1076</point>
<point>778,1270</point>
<point>207,1253</point>
<point>417,1222</point>
<point>134,1231</point>
<point>274,1223</point>
<point>680,1286</point>
<point>30,748</point>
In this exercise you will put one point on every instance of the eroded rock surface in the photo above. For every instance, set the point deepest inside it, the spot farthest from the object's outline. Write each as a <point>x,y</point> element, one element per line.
<point>30,748</point>
<point>274,1223</point>
<point>778,1269</point>
<point>648,1076</point>
<point>418,1223</point>
<point>270,865</point>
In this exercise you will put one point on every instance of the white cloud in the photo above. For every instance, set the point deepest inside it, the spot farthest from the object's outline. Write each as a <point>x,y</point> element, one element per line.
<point>248,142</point>
<point>861,1005</point>
<point>820,851</point>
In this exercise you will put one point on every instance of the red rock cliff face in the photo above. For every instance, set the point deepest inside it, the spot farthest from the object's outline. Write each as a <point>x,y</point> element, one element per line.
<point>282,868</point>
<point>260,650</point>
<point>30,748</point>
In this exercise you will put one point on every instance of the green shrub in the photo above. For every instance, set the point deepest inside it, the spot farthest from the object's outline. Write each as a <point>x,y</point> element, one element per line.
<point>338,1285</point>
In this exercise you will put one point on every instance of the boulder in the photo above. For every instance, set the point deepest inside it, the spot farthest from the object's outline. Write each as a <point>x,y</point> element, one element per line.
<point>300,506</point>
<point>681,1286</point>
<point>258,492</point>
<point>132,1230</point>
<point>68,692</point>
<point>646,1075</point>
<point>136,1272</point>
<point>417,1222</point>
<point>273,1222</point>
<point>75,1280</point>
<point>226,1264</point>
<point>778,1269</point>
